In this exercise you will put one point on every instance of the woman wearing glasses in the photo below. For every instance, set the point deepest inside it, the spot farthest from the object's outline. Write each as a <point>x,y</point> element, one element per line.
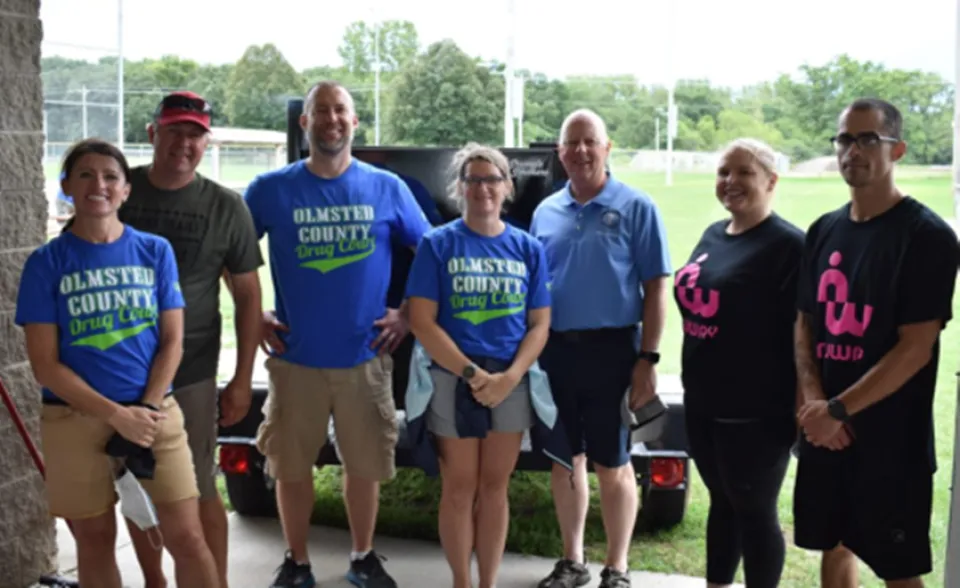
<point>480,309</point>
<point>103,317</point>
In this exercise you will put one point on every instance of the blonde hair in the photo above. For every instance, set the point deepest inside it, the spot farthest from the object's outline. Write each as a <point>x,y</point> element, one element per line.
<point>476,152</point>
<point>763,154</point>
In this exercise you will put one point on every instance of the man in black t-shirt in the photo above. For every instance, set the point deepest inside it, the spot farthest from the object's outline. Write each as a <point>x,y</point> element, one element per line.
<point>875,290</point>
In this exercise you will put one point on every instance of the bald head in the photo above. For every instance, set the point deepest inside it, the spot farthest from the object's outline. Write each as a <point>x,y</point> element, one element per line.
<point>328,88</point>
<point>583,122</point>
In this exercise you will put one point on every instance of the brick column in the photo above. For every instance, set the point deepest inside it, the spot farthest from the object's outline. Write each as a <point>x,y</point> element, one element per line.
<point>27,540</point>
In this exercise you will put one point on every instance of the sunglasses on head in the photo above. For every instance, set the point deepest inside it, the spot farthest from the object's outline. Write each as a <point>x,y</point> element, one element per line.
<point>187,103</point>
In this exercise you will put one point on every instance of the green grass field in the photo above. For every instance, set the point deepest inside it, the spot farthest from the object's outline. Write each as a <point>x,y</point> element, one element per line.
<point>409,503</point>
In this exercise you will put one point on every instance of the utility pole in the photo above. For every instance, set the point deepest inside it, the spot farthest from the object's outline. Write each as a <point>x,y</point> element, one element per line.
<point>951,576</point>
<point>508,97</point>
<point>376,75</point>
<point>85,130</point>
<point>120,132</point>
<point>671,84</point>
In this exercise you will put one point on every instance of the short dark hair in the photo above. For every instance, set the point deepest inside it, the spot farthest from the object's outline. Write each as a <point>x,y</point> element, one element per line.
<point>892,119</point>
<point>325,85</point>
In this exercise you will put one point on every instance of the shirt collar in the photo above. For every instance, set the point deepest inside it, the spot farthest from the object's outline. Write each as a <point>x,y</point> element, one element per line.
<point>604,198</point>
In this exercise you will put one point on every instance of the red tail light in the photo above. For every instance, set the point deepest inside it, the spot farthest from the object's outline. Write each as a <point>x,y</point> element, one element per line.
<point>666,472</point>
<point>234,459</point>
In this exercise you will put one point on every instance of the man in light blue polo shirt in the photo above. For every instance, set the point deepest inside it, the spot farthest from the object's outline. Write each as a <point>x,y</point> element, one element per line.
<point>607,253</point>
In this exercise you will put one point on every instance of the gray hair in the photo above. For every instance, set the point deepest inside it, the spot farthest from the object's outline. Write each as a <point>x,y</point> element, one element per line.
<point>476,152</point>
<point>588,115</point>
<point>762,153</point>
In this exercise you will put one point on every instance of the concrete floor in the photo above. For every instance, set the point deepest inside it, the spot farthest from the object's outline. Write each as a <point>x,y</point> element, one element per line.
<point>257,549</point>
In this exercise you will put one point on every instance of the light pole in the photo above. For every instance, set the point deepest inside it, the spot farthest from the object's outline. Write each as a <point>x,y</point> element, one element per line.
<point>376,79</point>
<point>120,75</point>
<point>508,91</point>
<point>951,576</point>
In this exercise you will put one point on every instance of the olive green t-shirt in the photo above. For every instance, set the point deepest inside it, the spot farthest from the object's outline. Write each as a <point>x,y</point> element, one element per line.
<point>210,229</point>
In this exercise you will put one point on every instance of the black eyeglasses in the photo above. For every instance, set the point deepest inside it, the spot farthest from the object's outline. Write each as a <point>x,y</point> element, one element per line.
<point>866,140</point>
<point>178,102</point>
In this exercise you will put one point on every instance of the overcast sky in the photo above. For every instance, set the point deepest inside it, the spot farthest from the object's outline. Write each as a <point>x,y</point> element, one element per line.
<point>729,42</point>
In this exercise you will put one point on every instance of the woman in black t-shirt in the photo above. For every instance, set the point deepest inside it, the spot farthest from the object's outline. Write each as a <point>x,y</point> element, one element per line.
<point>737,297</point>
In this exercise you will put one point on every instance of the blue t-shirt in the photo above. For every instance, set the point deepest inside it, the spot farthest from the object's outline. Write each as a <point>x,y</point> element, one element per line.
<point>106,300</point>
<point>483,286</point>
<point>330,255</point>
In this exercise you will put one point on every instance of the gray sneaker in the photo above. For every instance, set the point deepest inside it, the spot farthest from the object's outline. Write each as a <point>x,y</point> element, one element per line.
<point>566,574</point>
<point>611,578</point>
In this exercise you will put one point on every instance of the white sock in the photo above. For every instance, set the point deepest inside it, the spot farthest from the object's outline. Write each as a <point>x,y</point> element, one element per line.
<point>356,555</point>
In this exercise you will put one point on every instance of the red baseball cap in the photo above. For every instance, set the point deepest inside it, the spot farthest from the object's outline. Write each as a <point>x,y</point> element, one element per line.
<point>183,107</point>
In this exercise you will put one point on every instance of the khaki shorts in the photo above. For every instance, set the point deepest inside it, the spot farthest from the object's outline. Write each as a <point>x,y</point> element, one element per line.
<point>80,474</point>
<point>199,405</point>
<point>297,414</point>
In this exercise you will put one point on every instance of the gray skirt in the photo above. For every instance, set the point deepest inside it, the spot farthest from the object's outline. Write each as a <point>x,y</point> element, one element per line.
<point>513,415</point>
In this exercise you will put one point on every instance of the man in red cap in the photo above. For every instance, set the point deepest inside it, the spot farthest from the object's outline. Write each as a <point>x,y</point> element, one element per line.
<point>212,234</point>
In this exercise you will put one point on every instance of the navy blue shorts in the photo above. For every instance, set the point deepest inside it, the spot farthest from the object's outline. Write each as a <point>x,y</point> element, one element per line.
<point>879,512</point>
<point>589,373</point>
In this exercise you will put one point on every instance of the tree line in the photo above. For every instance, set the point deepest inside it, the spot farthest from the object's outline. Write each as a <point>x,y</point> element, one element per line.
<point>440,95</point>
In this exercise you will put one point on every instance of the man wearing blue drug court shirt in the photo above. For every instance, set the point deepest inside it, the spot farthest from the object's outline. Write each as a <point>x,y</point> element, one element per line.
<point>331,221</point>
<point>607,252</point>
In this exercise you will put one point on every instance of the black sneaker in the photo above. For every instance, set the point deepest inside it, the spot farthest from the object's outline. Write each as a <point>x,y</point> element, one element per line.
<point>566,574</point>
<point>293,575</point>
<point>611,578</point>
<point>369,573</point>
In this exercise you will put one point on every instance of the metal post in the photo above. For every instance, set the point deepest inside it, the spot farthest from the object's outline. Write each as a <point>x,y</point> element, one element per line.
<point>85,132</point>
<point>376,82</point>
<point>120,75</point>
<point>671,84</point>
<point>508,134</point>
<point>951,576</point>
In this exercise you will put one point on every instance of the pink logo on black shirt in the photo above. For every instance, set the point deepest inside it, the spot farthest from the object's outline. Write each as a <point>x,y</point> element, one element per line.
<point>691,297</point>
<point>840,316</point>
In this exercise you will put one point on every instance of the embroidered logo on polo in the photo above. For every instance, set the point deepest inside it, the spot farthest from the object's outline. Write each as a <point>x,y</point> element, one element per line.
<point>331,237</point>
<point>109,305</point>
<point>487,288</point>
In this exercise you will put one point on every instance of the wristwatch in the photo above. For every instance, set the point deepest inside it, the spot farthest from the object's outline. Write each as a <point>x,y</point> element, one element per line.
<point>468,372</point>
<point>652,356</point>
<point>837,410</point>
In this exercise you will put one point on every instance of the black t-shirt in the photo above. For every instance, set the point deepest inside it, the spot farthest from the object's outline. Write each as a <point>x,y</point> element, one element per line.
<point>860,281</point>
<point>737,297</point>
<point>210,229</point>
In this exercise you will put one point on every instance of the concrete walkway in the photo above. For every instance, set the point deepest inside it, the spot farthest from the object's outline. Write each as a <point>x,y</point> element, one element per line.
<point>257,547</point>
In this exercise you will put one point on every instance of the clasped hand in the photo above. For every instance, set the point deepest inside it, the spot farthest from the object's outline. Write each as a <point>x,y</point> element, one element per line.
<point>491,389</point>
<point>137,424</point>
<point>822,430</point>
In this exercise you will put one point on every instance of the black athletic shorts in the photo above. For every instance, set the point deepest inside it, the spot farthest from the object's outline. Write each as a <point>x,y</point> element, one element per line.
<point>880,513</point>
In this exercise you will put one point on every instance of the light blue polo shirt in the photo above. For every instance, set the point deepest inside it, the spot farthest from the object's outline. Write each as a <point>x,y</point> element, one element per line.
<point>599,254</point>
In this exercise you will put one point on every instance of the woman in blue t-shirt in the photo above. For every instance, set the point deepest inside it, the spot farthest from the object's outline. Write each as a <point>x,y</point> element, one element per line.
<point>480,308</point>
<point>102,312</point>
<point>737,296</point>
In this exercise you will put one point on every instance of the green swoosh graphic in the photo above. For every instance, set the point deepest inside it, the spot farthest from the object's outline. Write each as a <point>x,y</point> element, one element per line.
<point>326,265</point>
<point>476,317</point>
<point>104,341</point>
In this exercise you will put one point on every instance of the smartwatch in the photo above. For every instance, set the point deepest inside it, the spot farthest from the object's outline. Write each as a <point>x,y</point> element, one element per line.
<point>651,356</point>
<point>468,372</point>
<point>837,410</point>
